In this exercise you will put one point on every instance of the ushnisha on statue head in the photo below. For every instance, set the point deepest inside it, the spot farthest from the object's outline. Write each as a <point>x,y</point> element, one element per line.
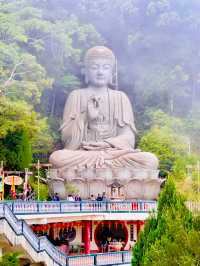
<point>99,52</point>
<point>100,67</point>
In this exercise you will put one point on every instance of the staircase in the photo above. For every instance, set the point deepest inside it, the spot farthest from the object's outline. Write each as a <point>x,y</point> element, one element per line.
<point>18,233</point>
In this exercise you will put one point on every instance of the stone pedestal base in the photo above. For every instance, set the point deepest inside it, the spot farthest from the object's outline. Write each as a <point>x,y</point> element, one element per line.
<point>116,183</point>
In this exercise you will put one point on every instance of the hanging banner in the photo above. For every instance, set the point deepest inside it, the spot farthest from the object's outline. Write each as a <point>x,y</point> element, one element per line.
<point>1,183</point>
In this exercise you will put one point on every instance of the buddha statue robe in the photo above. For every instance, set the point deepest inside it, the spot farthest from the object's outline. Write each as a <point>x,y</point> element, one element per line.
<point>115,127</point>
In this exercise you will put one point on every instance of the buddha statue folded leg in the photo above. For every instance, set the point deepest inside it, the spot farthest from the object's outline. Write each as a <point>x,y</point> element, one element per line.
<point>108,158</point>
<point>139,160</point>
<point>74,159</point>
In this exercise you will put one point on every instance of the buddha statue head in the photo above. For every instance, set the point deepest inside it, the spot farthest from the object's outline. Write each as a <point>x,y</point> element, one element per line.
<point>99,65</point>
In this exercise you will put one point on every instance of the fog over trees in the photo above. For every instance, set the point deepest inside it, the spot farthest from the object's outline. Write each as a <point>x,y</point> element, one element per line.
<point>156,42</point>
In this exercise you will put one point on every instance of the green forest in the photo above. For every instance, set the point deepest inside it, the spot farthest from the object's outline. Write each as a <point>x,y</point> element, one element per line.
<point>156,43</point>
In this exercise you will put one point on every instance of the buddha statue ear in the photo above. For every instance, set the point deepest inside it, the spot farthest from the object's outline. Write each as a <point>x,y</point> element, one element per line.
<point>111,81</point>
<point>84,73</point>
<point>116,75</point>
<point>114,78</point>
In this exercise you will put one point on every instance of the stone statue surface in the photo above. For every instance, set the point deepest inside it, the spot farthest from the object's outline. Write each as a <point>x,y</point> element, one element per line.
<point>98,127</point>
<point>98,132</point>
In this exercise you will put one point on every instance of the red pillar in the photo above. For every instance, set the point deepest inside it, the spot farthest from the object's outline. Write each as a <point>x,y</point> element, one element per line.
<point>87,237</point>
<point>140,225</point>
<point>138,228</point>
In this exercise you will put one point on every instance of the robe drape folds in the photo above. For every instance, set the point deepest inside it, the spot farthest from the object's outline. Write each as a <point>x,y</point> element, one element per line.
<point>74,127</point>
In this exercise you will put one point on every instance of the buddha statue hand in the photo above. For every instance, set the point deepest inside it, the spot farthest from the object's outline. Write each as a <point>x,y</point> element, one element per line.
<point>93,109</point>
<point>94,146</point>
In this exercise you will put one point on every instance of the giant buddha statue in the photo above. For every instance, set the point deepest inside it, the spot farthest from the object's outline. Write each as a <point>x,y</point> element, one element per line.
<point>98,129</point>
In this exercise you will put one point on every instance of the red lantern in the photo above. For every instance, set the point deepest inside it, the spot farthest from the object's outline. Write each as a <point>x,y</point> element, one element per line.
<point>58,225</point>
<point>39,228</point>
<point>47,227</point>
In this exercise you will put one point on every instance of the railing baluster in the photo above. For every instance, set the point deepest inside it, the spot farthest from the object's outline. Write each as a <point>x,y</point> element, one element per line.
<point>122,256</point>
<point>20,207</point>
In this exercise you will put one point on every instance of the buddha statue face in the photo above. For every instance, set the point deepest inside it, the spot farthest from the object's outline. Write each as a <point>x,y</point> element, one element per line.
<point>99,64</point>
<point>99,72</point>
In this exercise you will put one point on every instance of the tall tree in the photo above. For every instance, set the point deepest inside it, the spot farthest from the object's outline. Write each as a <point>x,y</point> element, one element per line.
<point>168,237</point>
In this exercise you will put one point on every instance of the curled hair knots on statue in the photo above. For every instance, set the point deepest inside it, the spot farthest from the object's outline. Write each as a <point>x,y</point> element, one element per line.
<point>99,52</point>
